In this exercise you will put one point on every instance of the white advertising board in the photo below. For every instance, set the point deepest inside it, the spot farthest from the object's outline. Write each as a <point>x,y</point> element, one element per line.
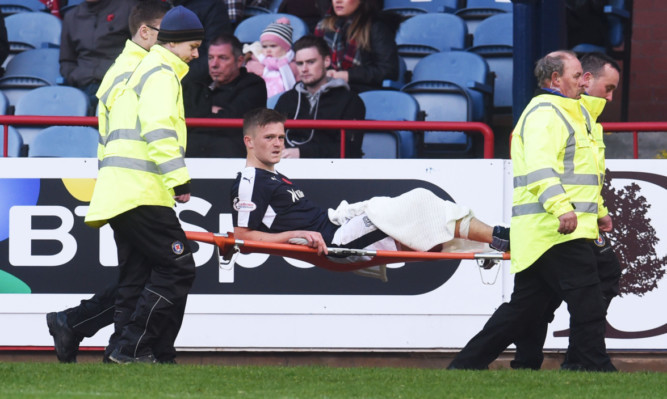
<point>266,303</point>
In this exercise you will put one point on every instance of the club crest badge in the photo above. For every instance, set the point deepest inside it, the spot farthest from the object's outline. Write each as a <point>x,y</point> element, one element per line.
<point>177,247</point>
<point>600,241</point>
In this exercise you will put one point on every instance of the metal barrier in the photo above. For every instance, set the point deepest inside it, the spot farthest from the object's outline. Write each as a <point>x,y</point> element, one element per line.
<point>343,126</point>
<point>634,128</point>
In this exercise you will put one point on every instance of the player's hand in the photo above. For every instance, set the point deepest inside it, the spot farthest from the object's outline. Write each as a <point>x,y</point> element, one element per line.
<point>568,222</point>
<point>313,239</point>
<point>291,153</point>
<point>215,109</point>
<point>183,198</point>
<point>605,224</point>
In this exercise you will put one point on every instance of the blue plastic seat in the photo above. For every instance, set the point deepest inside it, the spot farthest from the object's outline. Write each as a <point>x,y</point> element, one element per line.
<point>9,7</point>
<point>50,101</point>
<point>476,11</point>
<point>31,30</point>
<point>493,41</point>
<point>412,7</point>
<point>387,105</point>
<point>402,76</point>
<point>249,30</point>
<point>271,101</point>
<point>15,142</point>
<point>28,70</point>
<point>427,34</point>
<point>450,86</point>
<point>65,141</point>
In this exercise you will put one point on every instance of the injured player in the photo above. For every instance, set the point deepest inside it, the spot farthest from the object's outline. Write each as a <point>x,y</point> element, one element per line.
<point>269,207</point>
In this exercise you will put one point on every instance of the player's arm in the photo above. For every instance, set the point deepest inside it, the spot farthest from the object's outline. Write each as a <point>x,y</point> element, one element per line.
<point>313,238</point>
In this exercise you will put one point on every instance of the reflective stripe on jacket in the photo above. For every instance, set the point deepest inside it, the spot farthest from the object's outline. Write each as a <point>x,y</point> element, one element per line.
<point>143,157</point>
<point>557,168</point>
<point>113,83</point>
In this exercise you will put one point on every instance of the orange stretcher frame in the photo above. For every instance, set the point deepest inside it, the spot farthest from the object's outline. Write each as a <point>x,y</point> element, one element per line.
<point>227,246</point>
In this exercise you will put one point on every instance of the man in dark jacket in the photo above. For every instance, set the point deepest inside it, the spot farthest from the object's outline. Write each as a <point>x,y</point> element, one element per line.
<point>319,97</point>
<point>93,35</point>
<point>229,92</point>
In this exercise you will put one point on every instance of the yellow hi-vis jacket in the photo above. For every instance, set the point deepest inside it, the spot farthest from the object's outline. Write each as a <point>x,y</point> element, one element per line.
<point>143,157</point>
<point>558,168</point>
<point>113,83</point>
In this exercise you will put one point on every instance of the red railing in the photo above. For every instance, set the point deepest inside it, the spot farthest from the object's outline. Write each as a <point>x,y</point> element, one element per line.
<point>343,126</point>
<point>634,128</point>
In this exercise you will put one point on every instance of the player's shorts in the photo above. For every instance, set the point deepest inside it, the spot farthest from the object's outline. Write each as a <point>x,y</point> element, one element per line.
<point>360,233</point>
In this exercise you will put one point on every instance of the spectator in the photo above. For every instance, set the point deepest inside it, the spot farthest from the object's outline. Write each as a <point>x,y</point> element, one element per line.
<point>93,35</point>
<point>319,96</point>
<point>229,92</point>
<point>236,8</point>
<point>275,61</point>
<point>363,47</point>
<point>311,12</point>
<point>213,16</point>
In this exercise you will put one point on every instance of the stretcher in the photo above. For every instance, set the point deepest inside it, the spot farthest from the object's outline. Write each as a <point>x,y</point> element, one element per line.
<point>227,247</point>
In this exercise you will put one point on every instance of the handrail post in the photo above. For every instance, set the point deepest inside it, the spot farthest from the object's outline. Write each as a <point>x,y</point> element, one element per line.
<point>5,140</point>
<point>635,144</point>
<point>342,143</point>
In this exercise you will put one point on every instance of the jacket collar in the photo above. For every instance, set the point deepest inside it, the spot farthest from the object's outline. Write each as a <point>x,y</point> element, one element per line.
<point>570,105</point>
<point>594,105</point>
<point>179,66</point>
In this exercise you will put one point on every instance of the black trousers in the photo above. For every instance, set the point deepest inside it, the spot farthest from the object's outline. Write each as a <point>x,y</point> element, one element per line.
<point>93,314</point>
<point>567,270</point>
<point>529,346</point>
<point>156,273</point>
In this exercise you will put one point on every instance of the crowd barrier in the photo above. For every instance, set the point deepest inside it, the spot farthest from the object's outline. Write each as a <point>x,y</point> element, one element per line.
<point>343,126</point>
<point>469,127</point>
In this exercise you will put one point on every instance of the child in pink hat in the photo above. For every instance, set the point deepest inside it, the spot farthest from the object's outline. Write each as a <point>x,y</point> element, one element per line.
<point>274,62</point>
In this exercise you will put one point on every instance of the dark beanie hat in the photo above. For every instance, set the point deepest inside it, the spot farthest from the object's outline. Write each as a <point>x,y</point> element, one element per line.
<point>180,25</point>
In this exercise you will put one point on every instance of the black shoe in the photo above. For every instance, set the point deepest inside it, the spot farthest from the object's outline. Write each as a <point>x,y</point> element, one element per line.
<point>501,239</point>
<point>117,356</point>
<point>65,340</point>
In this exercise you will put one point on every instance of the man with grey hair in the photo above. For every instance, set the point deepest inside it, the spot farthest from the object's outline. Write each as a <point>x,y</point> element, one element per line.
<point>601,77</point>
<point>556,210</point>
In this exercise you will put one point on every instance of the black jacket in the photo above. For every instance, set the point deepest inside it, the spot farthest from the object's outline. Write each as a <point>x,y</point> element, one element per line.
<point>334,101</point>
<point>246,92</point>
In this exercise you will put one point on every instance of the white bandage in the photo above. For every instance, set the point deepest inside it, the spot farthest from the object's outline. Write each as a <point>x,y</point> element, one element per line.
<point>464,226</point>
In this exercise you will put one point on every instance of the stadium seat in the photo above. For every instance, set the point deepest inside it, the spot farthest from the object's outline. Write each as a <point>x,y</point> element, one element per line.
<point>4,104</point>
<point>493,41</point>
<point>28,70</point>
<point>450,86</point>
<point>65,141</point>
<point>31,30</point>
<point>9,7</point>
<point>476,11</point>
<point>250,10</point>
<point>387,105</point>
<point>427,34</point>
<point>50,101</point>
<point>249,30</point>
<point>15,142</point>
<point>403,77</point>
<point>414,7</point>
<point>271,101</point>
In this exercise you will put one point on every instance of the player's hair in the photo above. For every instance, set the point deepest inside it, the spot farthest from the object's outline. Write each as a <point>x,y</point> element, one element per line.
<point>550,63</point>
<point>309,41</point>
<point>260,117</point>
<point>228,38</point>
<point>595,62</point>
<point>146,12</point>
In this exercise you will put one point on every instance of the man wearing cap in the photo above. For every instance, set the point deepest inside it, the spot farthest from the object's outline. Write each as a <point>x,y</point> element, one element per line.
<point>142,174</point>
<point>70,326</point>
